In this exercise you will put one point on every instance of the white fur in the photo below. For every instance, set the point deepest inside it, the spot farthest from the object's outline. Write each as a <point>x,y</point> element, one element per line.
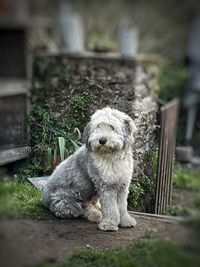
<point>96,171</point>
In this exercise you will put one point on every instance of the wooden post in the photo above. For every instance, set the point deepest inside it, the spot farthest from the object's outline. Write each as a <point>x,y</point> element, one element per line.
<point>169,118</point>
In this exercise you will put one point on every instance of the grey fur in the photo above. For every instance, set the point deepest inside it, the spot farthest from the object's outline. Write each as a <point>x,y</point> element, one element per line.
<point>96,172</point>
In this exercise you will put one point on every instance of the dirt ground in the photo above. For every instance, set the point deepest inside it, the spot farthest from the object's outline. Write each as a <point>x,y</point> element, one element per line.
<point>26,242</point>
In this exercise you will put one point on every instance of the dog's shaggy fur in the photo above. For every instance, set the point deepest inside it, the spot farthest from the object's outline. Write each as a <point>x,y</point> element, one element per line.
<point>100,169</point>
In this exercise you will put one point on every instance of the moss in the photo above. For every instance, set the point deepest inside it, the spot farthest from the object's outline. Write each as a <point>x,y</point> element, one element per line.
<point>79,110</point>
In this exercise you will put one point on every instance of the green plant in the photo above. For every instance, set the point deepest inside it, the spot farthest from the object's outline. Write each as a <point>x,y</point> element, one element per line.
<point>49,137</point>
<point>53,139</point>
<point>29,170</point>
<point>142,192</point>
<point>103,42</point>
<point>135,193</point>
<point>62,149</point>
<point>154,161</point>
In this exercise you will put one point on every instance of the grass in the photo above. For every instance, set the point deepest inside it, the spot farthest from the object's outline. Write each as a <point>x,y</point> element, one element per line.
<point>21,201</point>
<point>159,253</point>
<point>186,178</point>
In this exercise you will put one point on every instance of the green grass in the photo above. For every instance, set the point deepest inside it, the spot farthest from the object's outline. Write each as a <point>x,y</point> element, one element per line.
<point>178,210</point>
<point>186,178</point>
<point>143,254</point>
<point>21,201</point>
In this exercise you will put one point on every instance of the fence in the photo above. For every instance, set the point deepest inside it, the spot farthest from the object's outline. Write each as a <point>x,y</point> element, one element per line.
<point>163,192</point>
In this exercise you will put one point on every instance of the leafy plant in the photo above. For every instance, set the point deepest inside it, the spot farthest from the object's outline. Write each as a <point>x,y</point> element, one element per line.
<point>62,149</point>
<point>49,137</point>
<point>135,193</point>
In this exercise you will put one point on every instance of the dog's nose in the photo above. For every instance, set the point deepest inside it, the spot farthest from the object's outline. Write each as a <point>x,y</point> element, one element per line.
<point>102,141</point>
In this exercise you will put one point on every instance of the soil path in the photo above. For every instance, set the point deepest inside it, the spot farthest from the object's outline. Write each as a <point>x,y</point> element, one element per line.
<point>29,242</point>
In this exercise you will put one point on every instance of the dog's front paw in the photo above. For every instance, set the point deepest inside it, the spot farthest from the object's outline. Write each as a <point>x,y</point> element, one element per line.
<point>127,221</point>
<point>108,225</point>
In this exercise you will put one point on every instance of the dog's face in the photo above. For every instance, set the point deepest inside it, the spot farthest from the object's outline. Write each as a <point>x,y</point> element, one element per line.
<point>108,131</point>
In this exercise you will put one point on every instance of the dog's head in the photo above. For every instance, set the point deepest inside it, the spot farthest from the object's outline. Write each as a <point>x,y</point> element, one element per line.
<point>109,130</point>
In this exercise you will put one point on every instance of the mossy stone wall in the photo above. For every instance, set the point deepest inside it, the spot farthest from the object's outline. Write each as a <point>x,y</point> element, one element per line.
<point>72,87</point>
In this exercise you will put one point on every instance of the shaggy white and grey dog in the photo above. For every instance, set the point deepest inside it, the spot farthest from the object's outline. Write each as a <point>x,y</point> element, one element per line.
<point>99,170</point>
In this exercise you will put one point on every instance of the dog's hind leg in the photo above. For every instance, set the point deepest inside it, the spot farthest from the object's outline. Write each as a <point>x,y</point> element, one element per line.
<point>91,212</point>
<point>65,205</point>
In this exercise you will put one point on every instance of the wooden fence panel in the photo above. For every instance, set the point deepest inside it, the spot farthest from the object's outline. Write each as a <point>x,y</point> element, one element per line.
<point>163,193</point>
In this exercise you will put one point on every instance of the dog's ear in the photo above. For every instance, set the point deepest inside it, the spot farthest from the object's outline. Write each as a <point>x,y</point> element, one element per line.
<point>129,129</point>
<point>86,134</point>
<point>129,126</point>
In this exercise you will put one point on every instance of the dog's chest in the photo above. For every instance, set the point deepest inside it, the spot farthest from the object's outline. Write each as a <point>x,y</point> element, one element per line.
<point>114,170</point>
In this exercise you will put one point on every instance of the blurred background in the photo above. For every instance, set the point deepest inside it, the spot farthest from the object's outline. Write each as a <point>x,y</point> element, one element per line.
<point>169,30</point>
<point>164,34</point>
<point>61,60</point>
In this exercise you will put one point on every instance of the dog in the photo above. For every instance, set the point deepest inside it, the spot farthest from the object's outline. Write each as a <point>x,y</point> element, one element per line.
<point>94,181</point>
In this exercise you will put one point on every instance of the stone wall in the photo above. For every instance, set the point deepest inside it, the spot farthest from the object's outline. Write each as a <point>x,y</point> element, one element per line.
<point>64,82</point>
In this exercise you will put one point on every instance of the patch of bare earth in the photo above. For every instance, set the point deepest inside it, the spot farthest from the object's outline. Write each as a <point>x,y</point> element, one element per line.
<point>26,242</point>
